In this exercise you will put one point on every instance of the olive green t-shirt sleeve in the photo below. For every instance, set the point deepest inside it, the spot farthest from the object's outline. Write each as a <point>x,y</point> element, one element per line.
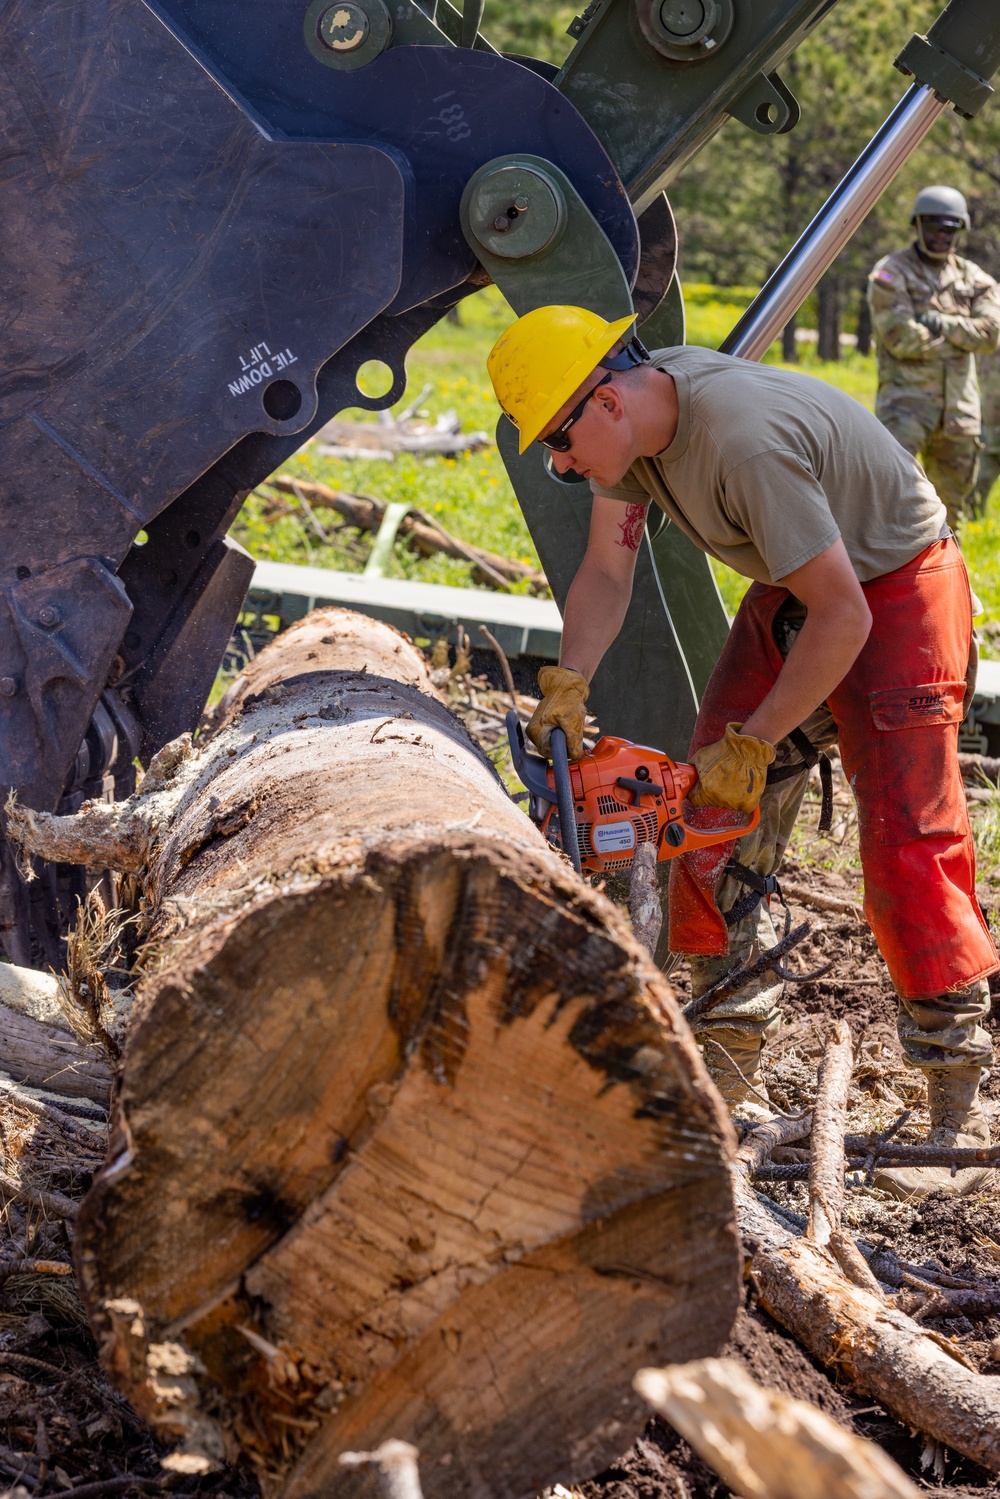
<point>778,502</point>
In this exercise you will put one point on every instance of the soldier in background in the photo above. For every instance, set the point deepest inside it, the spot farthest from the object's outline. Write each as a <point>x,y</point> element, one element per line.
<point>932,312</point>
<point>988,370</point>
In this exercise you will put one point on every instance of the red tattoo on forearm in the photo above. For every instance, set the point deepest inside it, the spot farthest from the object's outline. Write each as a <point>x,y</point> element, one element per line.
<point>632,527</point>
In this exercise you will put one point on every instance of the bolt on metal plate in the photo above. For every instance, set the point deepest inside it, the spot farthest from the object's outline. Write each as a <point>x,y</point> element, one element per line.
<point>516,211</point>
<point>347,34</point>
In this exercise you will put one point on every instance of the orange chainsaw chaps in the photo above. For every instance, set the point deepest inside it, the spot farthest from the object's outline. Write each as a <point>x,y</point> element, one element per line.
<point>693,838</point>
<point>897,713</point>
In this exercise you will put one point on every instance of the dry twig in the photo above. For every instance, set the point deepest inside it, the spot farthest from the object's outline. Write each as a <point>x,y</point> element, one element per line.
<point>826,1165</point>
<point>734,980</point>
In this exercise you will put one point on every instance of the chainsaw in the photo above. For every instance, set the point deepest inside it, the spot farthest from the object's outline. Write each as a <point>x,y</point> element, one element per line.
<point>599,809</point>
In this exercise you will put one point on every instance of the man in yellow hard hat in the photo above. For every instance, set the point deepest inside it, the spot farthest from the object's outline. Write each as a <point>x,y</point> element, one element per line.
<point>857,629</point>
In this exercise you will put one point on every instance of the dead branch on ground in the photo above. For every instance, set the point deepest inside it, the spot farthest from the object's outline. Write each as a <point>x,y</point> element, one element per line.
<point>426,535</point>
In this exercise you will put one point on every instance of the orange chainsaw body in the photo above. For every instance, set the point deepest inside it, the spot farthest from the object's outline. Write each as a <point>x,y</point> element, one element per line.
<point>625,794</point>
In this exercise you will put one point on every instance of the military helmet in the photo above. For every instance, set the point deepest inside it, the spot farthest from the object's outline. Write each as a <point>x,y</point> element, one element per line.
<point>940,202</point>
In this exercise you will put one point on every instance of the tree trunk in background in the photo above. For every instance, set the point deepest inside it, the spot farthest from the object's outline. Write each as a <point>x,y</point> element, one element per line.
<point>828,316</point>
<point>789,347</point>
<point>864,322</point>
<point>410,1141</point>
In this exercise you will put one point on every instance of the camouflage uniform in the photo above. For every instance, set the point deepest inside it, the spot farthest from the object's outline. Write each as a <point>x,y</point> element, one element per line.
<point>988,369</point>
<point>928,395</point>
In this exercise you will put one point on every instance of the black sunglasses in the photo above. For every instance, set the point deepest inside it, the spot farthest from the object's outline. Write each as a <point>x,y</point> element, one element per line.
<point>559,441</point>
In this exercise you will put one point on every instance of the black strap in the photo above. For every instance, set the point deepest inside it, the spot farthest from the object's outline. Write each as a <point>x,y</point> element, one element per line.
<point>760,887</point>
<point>810,756</point>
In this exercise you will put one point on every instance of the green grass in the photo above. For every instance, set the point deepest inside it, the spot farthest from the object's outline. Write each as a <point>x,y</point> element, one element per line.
<point>471,494</point>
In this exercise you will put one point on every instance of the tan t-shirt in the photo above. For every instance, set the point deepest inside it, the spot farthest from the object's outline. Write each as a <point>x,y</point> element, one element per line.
<point>768,468</point>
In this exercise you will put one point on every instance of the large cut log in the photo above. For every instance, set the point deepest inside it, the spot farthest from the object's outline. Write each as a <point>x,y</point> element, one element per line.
<point>411,1142</point>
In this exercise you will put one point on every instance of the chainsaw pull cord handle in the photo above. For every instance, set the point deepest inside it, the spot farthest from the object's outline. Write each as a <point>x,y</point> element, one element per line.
<point>564,799</point>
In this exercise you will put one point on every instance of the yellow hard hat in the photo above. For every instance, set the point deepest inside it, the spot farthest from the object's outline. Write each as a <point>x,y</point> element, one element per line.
<point>545,356</point>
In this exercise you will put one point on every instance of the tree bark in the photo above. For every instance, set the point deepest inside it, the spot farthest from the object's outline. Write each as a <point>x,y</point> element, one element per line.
<point>828,316</point>
<point>409,1142</point>
<point>789,343</point>
<point>864,345</point>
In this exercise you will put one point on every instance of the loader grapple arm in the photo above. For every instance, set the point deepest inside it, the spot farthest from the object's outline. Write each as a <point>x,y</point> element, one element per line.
<point>215,214</point>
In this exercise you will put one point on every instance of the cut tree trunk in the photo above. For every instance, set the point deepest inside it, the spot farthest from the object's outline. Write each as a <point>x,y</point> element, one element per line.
<point>410,1141</point>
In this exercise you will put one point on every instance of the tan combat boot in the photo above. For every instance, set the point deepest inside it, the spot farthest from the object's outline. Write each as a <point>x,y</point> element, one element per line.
<point>958,1122</point>
<point>732,1050</point>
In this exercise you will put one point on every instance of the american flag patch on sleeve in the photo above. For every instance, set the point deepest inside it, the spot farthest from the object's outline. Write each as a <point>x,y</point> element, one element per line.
<point>884,276</point>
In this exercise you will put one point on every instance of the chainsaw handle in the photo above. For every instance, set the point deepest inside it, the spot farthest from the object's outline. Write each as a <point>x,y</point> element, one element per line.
<point>564,799</point>
<point>694,839</point>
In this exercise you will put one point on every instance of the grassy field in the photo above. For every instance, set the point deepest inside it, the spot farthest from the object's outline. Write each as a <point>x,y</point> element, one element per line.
<point>471,495</point>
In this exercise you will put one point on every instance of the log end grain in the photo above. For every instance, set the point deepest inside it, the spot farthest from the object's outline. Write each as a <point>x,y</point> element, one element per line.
<point>464,1210</point>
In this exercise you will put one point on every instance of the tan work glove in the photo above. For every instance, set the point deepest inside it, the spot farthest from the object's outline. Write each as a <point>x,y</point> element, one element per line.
<point>732,772</point>
<point>563,706</point>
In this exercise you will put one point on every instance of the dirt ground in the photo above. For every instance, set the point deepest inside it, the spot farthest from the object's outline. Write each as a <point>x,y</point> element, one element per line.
<point>960,1236</point>
<point>63,1428</point>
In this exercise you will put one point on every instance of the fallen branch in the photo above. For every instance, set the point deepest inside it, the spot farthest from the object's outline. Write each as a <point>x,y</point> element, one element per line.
<point>73,1108</point>
<point>53,1203</point>
<point>390,436</point>
<point>762,1443</point>
<point>895,1155</point>
<point>758,1142</point>
<point>885,1264</point>
<point>820,902</point>
<point>695,1008</point>
<point>53,1114</point>
<point>936,1155</point>
<point>826,1164</point>
<point>884,1354</point>
<point>970,1304</point>
<point>426,535</point>
<point>18,1264</point>
<point>44,1055</point>
<point>979,768</point>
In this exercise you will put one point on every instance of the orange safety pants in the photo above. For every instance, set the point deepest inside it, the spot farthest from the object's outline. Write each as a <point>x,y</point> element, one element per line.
<point>897,714</point>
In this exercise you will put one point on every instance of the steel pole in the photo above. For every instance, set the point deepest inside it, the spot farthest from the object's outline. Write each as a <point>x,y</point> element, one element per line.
<point>819,245</point>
